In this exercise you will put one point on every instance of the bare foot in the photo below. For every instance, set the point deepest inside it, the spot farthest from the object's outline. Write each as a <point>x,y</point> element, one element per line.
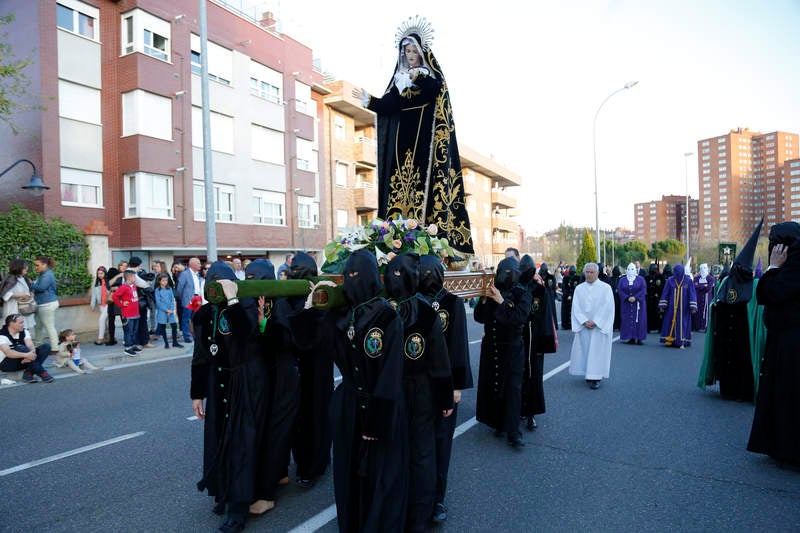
<point>284,481</point>
<point>261,506</point>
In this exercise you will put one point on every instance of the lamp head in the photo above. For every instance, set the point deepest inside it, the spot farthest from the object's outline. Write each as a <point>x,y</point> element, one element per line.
<point>36,185</point>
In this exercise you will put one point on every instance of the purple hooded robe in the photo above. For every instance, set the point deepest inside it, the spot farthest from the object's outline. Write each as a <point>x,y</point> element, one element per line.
<point>633,315</point>
<point>678,302</point>
<point>704,291</point>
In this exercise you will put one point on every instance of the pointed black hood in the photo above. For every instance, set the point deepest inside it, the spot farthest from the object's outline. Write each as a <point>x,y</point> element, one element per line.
<point>507,274</point>
<point>303,266</point>
<point>260,269</point>
<point>431,275</point>
<point>738,285</point>
<point>220,270</point>
<point>788,234</point>
<point>362,281</point>
<point>401,278</point>
<point>527,269</point>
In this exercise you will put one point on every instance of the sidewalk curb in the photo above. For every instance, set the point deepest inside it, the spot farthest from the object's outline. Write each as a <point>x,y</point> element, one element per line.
<point>101,357</point>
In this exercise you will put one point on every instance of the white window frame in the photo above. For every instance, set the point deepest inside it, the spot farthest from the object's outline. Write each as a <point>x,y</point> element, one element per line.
<point>81,180</point>
<point>79,102</point>
<point>137,30</point>
<point>143,113</point>
<point>266,83</point>
<point>307,157</point>
<point>342,171</point>
<point>339,127</point>
<point>221,190</point>
<point>303,103</point>
<point>266,144</point>
<point>80,9</point>
<point>149,195</point>
<point>307,212</point>
<point>220,61</point>
<point>222,131</point>
<point>264,202</point>
<point>341,219</point>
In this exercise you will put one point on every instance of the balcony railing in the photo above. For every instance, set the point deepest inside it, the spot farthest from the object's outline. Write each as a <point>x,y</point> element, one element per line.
<point>365,151</point>
<point>365,196</point>
<point>503,200</point>
<point>504,224</point>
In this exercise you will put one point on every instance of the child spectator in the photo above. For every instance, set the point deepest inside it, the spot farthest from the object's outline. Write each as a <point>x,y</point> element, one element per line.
<point>69,354</point>
<point>100,300</point>
<point>165,311</point>
<point>127,299</point>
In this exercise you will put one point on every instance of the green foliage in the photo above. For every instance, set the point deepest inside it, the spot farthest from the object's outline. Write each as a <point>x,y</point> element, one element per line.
<point>630,252</point>
<point>27,234</point>
<point>588,251</point>
<point>669,249</point>
<point>14,82</point>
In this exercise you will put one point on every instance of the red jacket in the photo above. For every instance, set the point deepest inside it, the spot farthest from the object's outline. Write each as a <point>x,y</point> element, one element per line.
<point>127,293</point>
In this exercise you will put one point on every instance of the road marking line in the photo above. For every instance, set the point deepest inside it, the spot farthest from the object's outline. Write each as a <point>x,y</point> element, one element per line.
<point>147,362</point>
<point>317,521</point>
<point>70,453</point>
<point>192,417</point>
<point>323,517</point>
<point>475,342</point>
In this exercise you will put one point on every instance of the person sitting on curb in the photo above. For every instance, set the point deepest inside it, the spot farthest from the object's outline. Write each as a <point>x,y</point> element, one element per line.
<point>18,353</point>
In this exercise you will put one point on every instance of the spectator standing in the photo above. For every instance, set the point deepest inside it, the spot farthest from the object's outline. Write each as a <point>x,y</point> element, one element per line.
<point>238,269</point>
<point>144,284</point>
<point>18,353</point>
<point>127,299</point>
<point>286,267</point>
<point>99,301</point>
<point>44,292</point>
<point>165,310</point>
<point>188,286</point>
<point>114,279</point>
<point>175,270</point>
<point>15,289</point>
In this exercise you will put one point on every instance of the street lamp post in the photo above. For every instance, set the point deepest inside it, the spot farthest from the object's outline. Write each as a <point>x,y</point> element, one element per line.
<point>35,185</point>
<point>594,150</point>
<point>686,157</point>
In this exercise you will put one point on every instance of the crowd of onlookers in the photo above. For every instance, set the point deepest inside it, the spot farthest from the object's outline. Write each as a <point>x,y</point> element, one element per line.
<point>148,304</point>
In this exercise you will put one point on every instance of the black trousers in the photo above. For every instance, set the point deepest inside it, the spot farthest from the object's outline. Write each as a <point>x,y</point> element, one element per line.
<point>422,451</point>
<point>445,428</point>
<point>36,366</point>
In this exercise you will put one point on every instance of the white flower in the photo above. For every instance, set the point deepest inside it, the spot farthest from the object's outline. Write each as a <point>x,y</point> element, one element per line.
<point>432,229</point>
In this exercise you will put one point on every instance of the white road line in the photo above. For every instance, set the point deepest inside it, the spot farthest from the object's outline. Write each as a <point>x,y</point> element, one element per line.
<point>70,453</point>
<point>147,362</point>
<point>320,519</point>
<point>194,417</point>
<point>475,342</point>
<point>317,521</point>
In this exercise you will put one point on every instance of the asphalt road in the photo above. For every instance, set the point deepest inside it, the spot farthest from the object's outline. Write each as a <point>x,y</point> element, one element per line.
<point>649,451</point>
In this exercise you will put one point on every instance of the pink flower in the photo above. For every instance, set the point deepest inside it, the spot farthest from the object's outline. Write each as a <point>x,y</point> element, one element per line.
<point>391,255</point>
<point>411,223</point>
<point>396,244</point>
<point>433,230</point>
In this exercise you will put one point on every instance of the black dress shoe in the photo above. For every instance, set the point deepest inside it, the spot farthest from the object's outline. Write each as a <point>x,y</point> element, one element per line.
<point>595,384</point>
<point>305,483</point>
<point>531,425</point>
<point>232,525</point>
<point>516,442</point>
<point>631,341</point>
<point>439,513</point>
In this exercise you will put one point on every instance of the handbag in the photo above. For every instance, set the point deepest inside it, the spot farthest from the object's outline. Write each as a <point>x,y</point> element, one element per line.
<point>27,306</point>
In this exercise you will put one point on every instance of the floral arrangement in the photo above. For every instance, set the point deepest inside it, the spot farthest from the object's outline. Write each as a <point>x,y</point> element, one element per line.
<point>385,238</point>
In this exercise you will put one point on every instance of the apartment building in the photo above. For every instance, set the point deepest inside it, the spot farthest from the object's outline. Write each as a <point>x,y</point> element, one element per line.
<point>743,175</point>
<point>119,139</point>
<point>658,220</point>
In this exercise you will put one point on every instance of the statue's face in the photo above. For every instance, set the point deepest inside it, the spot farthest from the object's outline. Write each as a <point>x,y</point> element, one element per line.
<point>412,55</point>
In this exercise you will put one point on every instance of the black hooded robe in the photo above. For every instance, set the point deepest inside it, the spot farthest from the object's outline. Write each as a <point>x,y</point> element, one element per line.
<point>776,422</point>
<point>502,358</point>
<point>571,280</point>
<point>655,287</point>
<point>539,338</point>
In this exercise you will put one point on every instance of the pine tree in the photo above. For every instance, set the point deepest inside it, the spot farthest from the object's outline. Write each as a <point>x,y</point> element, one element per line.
<point>588,251</point>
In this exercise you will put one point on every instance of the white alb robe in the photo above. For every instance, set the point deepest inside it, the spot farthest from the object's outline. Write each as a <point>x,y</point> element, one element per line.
<point>591,348</point>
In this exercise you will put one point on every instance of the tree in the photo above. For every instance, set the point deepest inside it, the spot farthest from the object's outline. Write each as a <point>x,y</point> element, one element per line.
<point>669,249</point>
<point>14,82</point>
<point>630,252</point>
<point>27,234</point>
<point>588,252</point>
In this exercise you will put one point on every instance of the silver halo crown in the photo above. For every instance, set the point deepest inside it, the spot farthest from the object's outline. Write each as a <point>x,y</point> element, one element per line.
<point>418,25</point>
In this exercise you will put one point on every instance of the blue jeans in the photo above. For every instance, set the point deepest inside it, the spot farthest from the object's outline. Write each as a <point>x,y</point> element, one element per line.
<point>36,366</point>
<point>130,331</point>
<point>186,319</point>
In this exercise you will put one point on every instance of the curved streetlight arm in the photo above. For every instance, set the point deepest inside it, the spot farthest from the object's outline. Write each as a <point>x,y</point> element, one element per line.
<point>594,155</point>
<point>17,163</point>
<point>35,185</point>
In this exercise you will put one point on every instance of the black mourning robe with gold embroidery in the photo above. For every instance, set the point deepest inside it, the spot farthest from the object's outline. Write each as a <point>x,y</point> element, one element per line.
<point>419,168</point>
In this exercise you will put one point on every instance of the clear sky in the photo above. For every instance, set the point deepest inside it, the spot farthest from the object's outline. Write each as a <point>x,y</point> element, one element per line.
<point>527,76</point>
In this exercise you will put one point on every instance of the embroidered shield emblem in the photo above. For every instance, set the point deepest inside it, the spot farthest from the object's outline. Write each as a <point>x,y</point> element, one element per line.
<point>415,346</point>
<point>536,303</point>
<point>373,343</point>
<point>393,303</point>
<point>223,326</point>
<point>731,296</point>
<point>267,308</point>
<point>444,316</point>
